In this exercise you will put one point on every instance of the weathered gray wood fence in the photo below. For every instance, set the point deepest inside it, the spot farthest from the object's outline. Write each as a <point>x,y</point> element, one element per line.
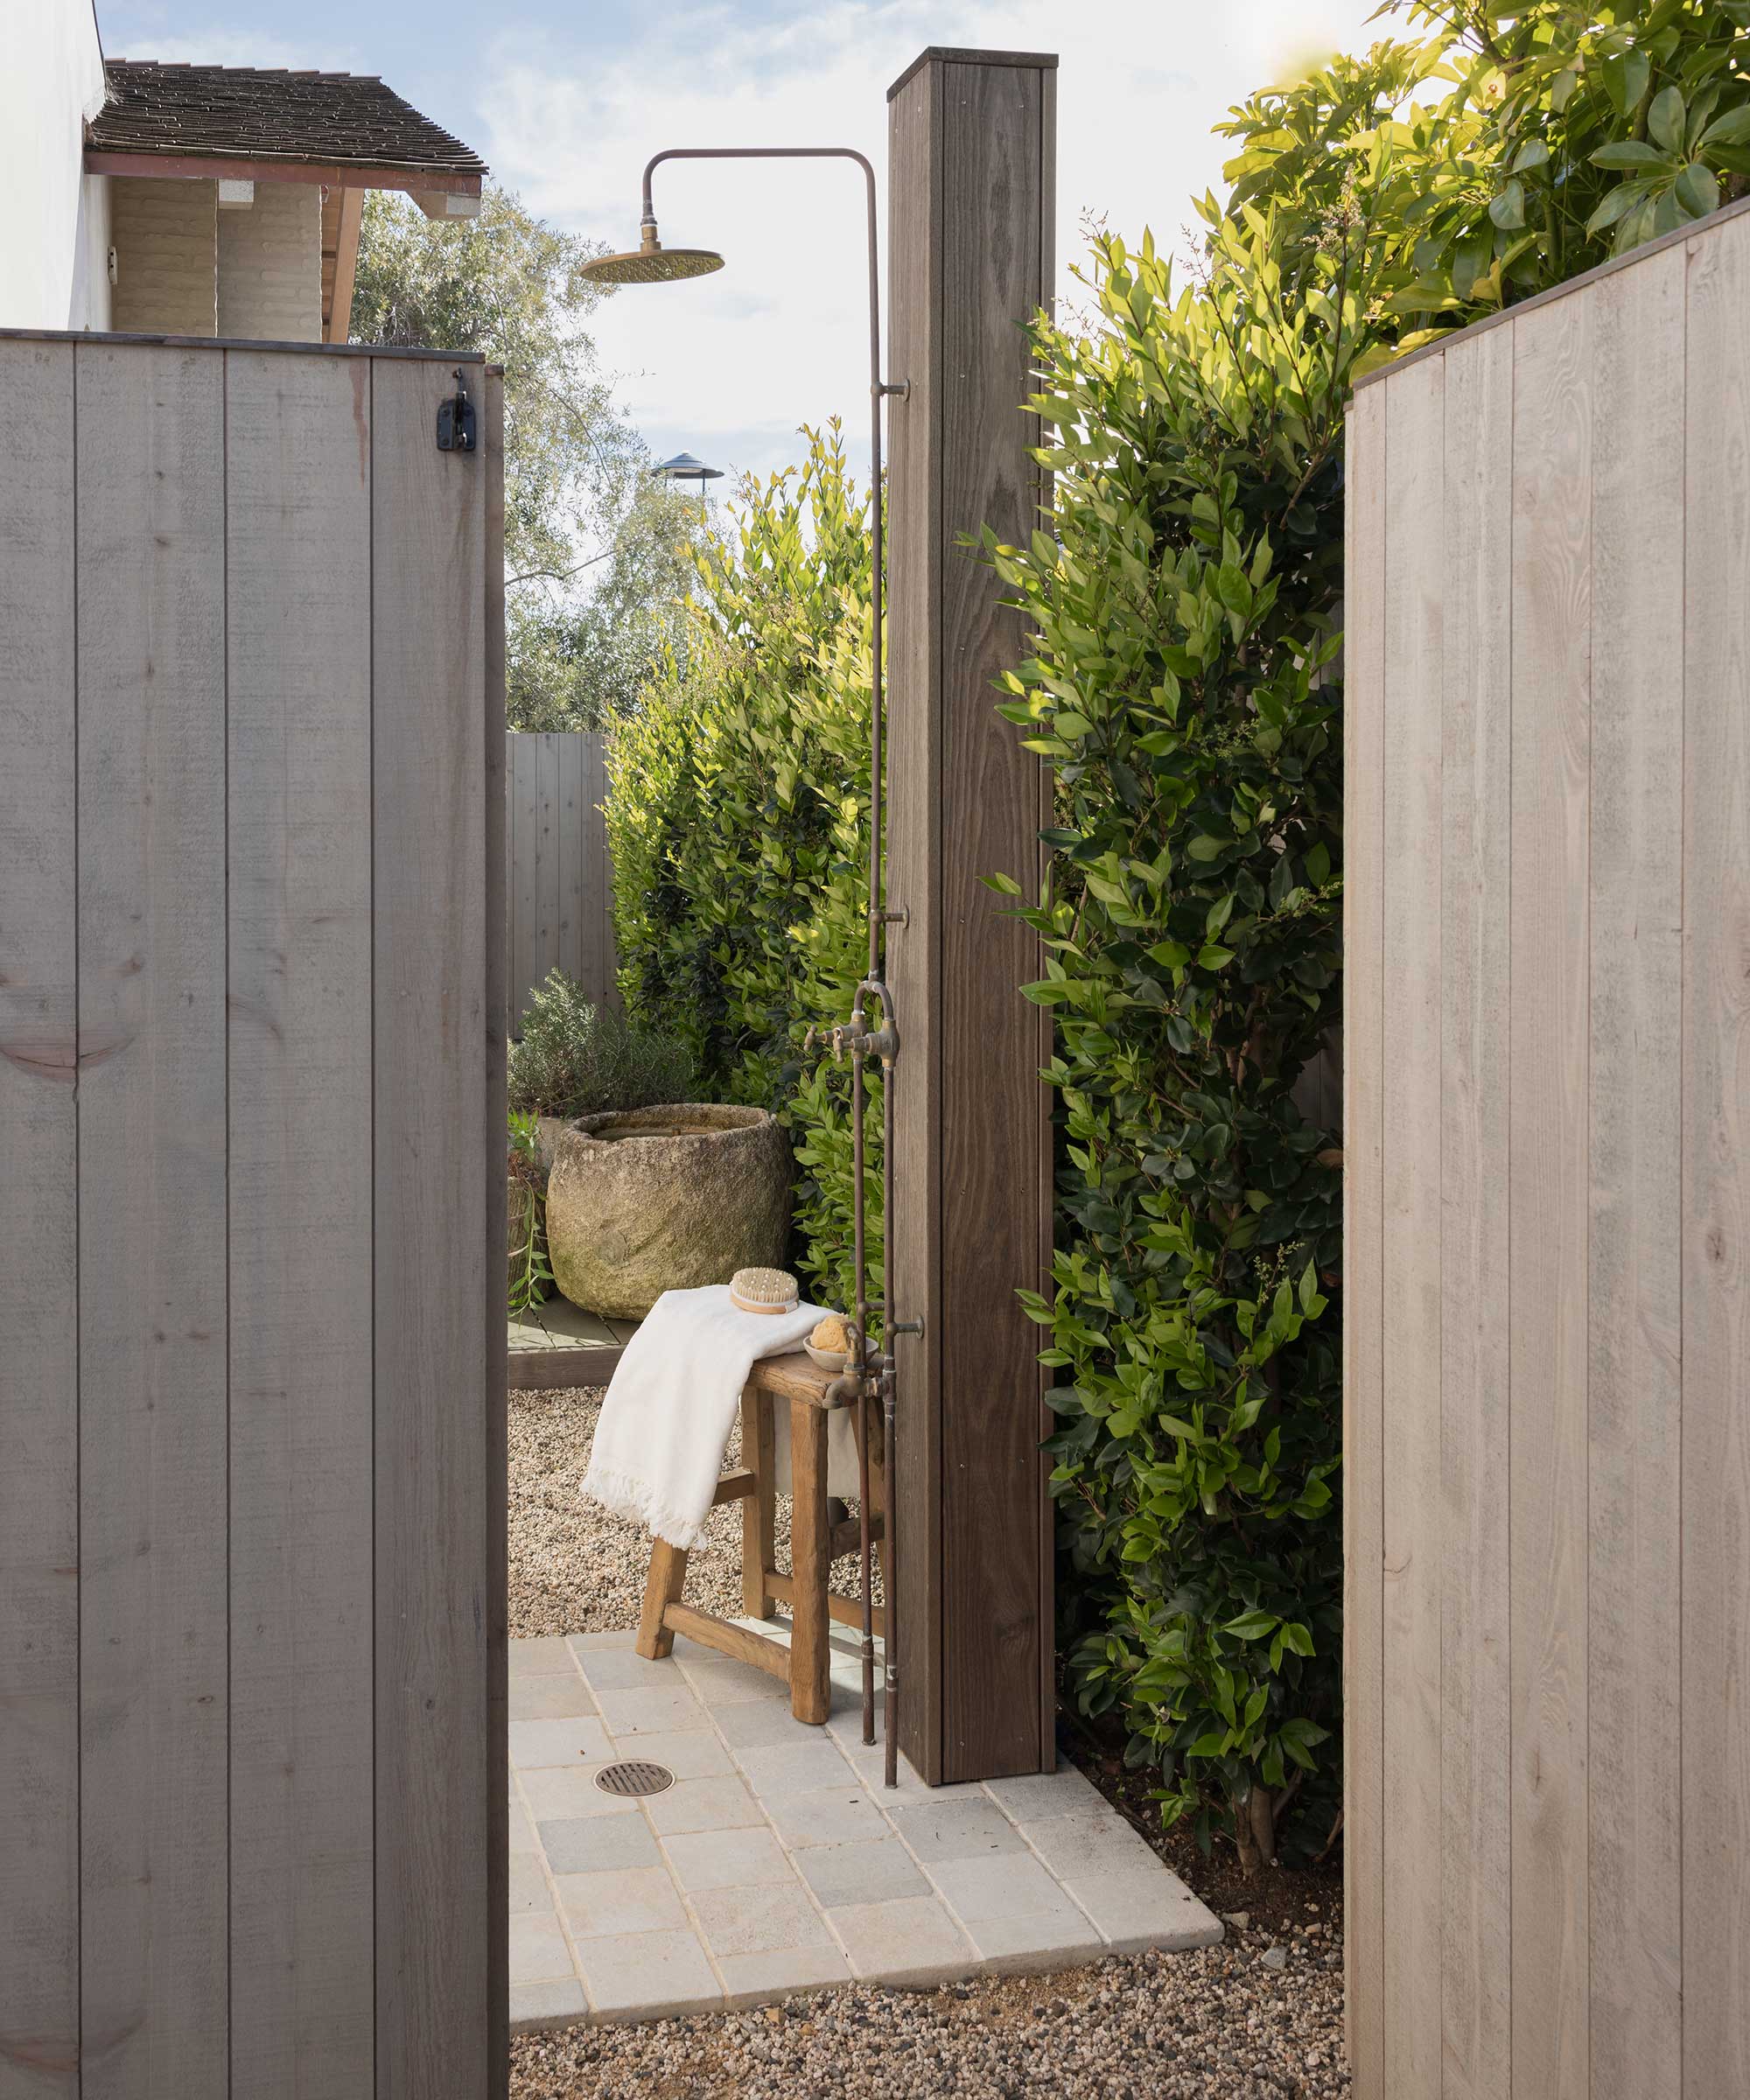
<point>1548,1142</point>
<point>971,171</point>
<point>558,882</point>
<point>251,1176</point>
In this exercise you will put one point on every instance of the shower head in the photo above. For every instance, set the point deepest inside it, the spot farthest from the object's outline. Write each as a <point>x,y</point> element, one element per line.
<point>652,264</point>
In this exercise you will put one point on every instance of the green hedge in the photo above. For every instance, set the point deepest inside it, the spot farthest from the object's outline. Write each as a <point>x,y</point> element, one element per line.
<point>738,819</point>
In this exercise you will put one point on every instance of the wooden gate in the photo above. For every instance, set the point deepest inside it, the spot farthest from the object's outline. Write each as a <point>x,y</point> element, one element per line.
<point>251,1174</point>
<point>1548,1139</point>
<point>559,881</point>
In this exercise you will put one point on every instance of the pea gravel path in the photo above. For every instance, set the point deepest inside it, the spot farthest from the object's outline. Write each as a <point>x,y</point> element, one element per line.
<point>1222,2023</point>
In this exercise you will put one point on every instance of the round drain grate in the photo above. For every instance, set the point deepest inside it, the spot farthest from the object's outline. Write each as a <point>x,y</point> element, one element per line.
<point>634,1776</point>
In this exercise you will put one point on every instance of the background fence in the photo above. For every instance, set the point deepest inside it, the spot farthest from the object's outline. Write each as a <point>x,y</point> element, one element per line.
<point>252,1506</point>
<point>1548,1141</point>
<point>558,882</point>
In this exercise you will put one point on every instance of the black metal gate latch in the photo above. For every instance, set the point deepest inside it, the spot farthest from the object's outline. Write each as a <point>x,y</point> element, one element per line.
<point>456,420</point>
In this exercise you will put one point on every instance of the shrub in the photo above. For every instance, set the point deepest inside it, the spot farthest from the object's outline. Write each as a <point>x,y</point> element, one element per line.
<point>738,819</point>
<point>578,1058</point>
<point>530,1277</point>
<point>1184,605</point>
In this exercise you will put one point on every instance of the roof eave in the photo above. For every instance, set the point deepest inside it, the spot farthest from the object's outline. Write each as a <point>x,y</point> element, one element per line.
<point>273,167</point>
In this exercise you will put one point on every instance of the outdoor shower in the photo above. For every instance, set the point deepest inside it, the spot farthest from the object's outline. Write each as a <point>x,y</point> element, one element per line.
<point>871,1373</point>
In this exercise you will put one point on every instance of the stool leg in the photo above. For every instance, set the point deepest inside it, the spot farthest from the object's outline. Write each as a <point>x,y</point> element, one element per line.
<point>759,1514</point>
<point>811,1658</point>
<point>662,1588</point>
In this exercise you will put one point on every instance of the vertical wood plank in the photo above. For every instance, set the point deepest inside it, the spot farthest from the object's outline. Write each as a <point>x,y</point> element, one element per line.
<point>1634,1379</point>
<point>153,1634</point>
<point>810,1656</point>
<point>1476,873</point>
<point>546,856</point>
<point>39,1236</point>
<point>571,938</point>
<point>298,585</point>
<point>525,804</point>
<point>1414,555</point>
<point>1549,1195</point>
<point>996,1113</point>
<point>496,1367</point>
<point>1716,1170</point>
<point>432,1153</point>
<point>914,558</point>
<point>1363,1210</point>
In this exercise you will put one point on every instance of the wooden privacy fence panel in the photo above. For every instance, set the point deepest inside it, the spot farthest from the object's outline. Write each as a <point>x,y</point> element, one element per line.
<point>1548,1144</point>
<point>251,1356</point>
<point>558,880</point>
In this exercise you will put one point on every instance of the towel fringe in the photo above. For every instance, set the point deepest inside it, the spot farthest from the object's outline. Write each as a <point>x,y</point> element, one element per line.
<point>624,1494</point>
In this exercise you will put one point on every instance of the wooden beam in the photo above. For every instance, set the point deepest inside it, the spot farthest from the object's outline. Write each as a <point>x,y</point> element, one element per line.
<point>724,1635</point>
<point>848,1611</point>
<point>971,175</point>
<point>209,167</point>
<point>337,322</point>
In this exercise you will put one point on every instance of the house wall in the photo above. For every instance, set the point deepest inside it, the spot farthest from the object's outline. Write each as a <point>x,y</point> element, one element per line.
<point>166,243</point>
<point>1547,1281</point>
<point>252,1353</point>
<point>271,265</point>
<point>53,258</point>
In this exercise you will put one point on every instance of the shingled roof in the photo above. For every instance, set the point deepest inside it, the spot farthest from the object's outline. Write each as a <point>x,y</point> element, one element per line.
<point>238,112</point>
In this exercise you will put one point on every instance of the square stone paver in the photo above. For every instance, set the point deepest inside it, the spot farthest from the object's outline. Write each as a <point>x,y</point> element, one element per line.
<point>830,1816</point>
<point>1000,1884</point>
<point>590,1844</point>
<point>545,1655</point>
<point>757,1724</point>
<point>538,1952</point>
<point>1146,1907</point>
<point>860,1873</point>
<point>624,1670</point>
<point>538,1698</point>
<point>775,1769</point>
<point>703,1805</point>
<point>546,2005</point>
<point>1100,1843</point>
<point>720,1682</point>
<point>957,1830</point>
<point>535,1744</point>
<point>776,1862</point>
<point>687,1752</point>
<point>585,1644</point>
<point>528,1889</point>
<point>1046,1795</point>
<point>648,1975</point>
<point>912,1941</point>
<point>711,1860</point>
<point>650,1709</point>
<point>619,1902</point>
<point>759,1921</point>
<point>555,1791</point>
<point>758,1979</point>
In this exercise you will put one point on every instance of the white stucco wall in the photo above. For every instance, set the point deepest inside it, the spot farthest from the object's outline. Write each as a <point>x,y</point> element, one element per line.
<point>53,259</point>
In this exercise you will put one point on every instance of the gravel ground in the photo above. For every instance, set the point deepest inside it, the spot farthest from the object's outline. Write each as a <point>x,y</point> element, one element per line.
<point>1258,2018</point>
<point>576,1569</point>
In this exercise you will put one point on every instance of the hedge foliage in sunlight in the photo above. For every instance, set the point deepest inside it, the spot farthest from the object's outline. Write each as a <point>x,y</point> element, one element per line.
<point>1185,596</point>
<point>738,819</point>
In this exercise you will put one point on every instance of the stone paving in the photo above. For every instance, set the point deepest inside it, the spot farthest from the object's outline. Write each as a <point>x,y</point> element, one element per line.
<point>777,1862</point>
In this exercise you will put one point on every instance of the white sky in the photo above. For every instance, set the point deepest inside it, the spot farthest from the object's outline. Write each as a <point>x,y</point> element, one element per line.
<point>728,365</point>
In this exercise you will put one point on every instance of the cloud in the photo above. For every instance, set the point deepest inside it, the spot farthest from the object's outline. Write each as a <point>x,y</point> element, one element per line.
<point>728,365</point>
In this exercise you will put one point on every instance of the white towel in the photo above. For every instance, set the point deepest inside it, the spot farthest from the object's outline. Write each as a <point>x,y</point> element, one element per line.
<point>670,1406</point>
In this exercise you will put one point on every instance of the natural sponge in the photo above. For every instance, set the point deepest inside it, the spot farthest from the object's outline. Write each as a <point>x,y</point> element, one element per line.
<point>829,1336</point>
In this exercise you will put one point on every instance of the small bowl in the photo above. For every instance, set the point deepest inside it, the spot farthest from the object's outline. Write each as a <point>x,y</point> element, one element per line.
<point>829,1359</point>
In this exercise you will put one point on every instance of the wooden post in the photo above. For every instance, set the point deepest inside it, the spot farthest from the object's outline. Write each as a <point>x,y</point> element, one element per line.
<point>971,171</point>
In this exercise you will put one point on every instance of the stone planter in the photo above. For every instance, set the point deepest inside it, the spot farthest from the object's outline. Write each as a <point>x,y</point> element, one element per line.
<point>665,1199</point>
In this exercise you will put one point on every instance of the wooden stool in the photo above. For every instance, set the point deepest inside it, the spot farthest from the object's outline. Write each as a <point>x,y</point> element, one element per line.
<point>814,1542</point>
